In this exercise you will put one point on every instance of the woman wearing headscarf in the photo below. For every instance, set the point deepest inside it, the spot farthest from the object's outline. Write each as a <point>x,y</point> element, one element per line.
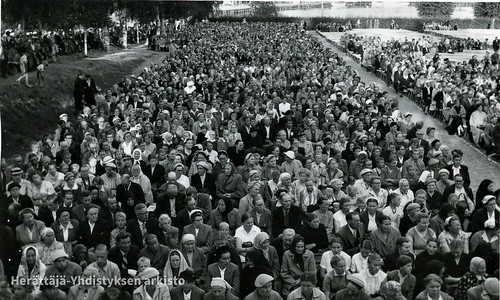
<point>219,290</point>
<point>296,260</point>
<point>476,276</point>
<point>230,185</point>
<point>195,258</point>
<point>255,265</point>
<point>437,222</point>
<point>47,245</point>
<point>250,164</point>
<point>176,263</point>
<point>225,212</point>
<point>262,243</point>
<point>486,187</point>
<point>32,267</point>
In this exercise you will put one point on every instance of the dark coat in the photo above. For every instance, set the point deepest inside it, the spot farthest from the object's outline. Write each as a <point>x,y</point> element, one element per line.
<point>351,244</point>
<point>294,220</point>
<point>408,285</point>
<point>115,255</point>
<point>481,216</point>
<point>100,235</point>
<point>134,229</point>
<point>208,187</point>
<point>365,219</point>
<point>121,192</point>
<point>157,177</point>
<point>464,170</point>
<point>196,293</point>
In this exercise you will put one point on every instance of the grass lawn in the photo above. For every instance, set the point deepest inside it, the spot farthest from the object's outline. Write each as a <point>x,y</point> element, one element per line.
<point>30,113</point>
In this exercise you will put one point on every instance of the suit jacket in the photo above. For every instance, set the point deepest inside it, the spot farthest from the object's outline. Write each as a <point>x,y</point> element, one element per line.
<point>184,219</point>
<point>163,206</point>
<point>451,189</point>
<point>170,239</point>
<point>134,188</point>
<point>106,214</point>
<point>263,133</point>
<point>382,246</point>
<point>293,133</point>
<point>100,235</point>
<point>22,233</point>
<point>73,233</point>
<point>294,220</point>
<point>24,200</point>
<point>365,220</point>
<point>157,177</point>
<point>116,256</point>
<point>408,285</point>
<point>79,213</point>
<point>199,263</point>
<point>351,244</point>
<point>134,229</point>
<point>45,215</point>
<point>481,216</point>
<point>208,187</point>
<point>423,296</point>
<point>231,275</point>
<point>203,238</point>
<point>316,137</point>
<point>196,293</point>
<point>265,222</point>
<point>464,170</point>
<point>474,293</point>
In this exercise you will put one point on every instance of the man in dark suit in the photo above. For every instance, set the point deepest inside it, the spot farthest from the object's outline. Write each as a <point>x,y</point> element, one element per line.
<point>78,91</point>
<point>283,242</point>
<point>124,254</point>
<point>184,216</point>
<point>15,196</point>
<point>48,213</point>
<point>127,185</point>
<point>109,211</point>
<point>142,225</point>
<point>290,130</point>
<point>203,181</point>
<point>89,91</point>
<point>457,167</point>
<point>188,287</point>
<point>352,234</point>
<point>458,188</point>
<point>286,215</point>
<point>231,271</point>
<point>170,202</point>
<point>267,131</point>
<point>94,231</point>
<point>80,211</point>
<point>155,173</point>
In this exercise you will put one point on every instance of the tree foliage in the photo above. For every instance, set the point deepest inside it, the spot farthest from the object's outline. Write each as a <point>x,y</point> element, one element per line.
<point>486,9</point>
<point>435,9</point>
<point>264,9</point>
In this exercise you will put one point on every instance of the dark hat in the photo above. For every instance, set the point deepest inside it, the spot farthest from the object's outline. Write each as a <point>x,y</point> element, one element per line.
<point>13,185</point>
<point>393,124</point>
<point>188,275</point>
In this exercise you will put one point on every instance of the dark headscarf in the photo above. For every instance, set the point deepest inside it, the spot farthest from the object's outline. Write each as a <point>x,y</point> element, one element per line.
<point>229,208</point>
<point>482,191</point>
<point>257,257</point>
<point>298,256</point>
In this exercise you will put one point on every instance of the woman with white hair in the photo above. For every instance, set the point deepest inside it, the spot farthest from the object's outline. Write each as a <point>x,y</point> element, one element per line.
<point>47,245</point>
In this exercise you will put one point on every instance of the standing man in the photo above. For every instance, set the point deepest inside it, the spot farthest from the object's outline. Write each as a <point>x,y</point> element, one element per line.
<point>78,92</point>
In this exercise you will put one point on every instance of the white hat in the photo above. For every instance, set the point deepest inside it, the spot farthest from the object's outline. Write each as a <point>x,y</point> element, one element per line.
<point>290,154</point>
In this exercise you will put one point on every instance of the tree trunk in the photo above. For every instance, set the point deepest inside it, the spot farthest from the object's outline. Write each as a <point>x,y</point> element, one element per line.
<point>85,42</point>
<point>138,39</point>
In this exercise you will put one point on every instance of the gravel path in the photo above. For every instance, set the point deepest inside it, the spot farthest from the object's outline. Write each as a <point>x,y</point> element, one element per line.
<point>479,166</point>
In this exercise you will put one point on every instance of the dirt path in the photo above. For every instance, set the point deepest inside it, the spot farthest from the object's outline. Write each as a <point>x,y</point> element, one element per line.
<point>30,113</point>
<point>479,166</point>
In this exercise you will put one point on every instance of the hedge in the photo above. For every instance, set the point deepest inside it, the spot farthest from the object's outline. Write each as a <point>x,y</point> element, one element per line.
<point>416,24</point>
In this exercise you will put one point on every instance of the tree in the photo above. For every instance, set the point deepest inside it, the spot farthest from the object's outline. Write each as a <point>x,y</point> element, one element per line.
<point>486,9</point>
<point>435,9</point>
<point>264,9</point>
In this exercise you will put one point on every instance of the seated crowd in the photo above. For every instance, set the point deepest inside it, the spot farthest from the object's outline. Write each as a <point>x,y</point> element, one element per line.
<point>252,163</point>
<point>462,94</point>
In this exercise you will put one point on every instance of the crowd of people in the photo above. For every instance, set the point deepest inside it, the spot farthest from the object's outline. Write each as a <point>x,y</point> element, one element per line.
<point>252,163</point>
<point>462,93</point>
<point>31,51</point>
